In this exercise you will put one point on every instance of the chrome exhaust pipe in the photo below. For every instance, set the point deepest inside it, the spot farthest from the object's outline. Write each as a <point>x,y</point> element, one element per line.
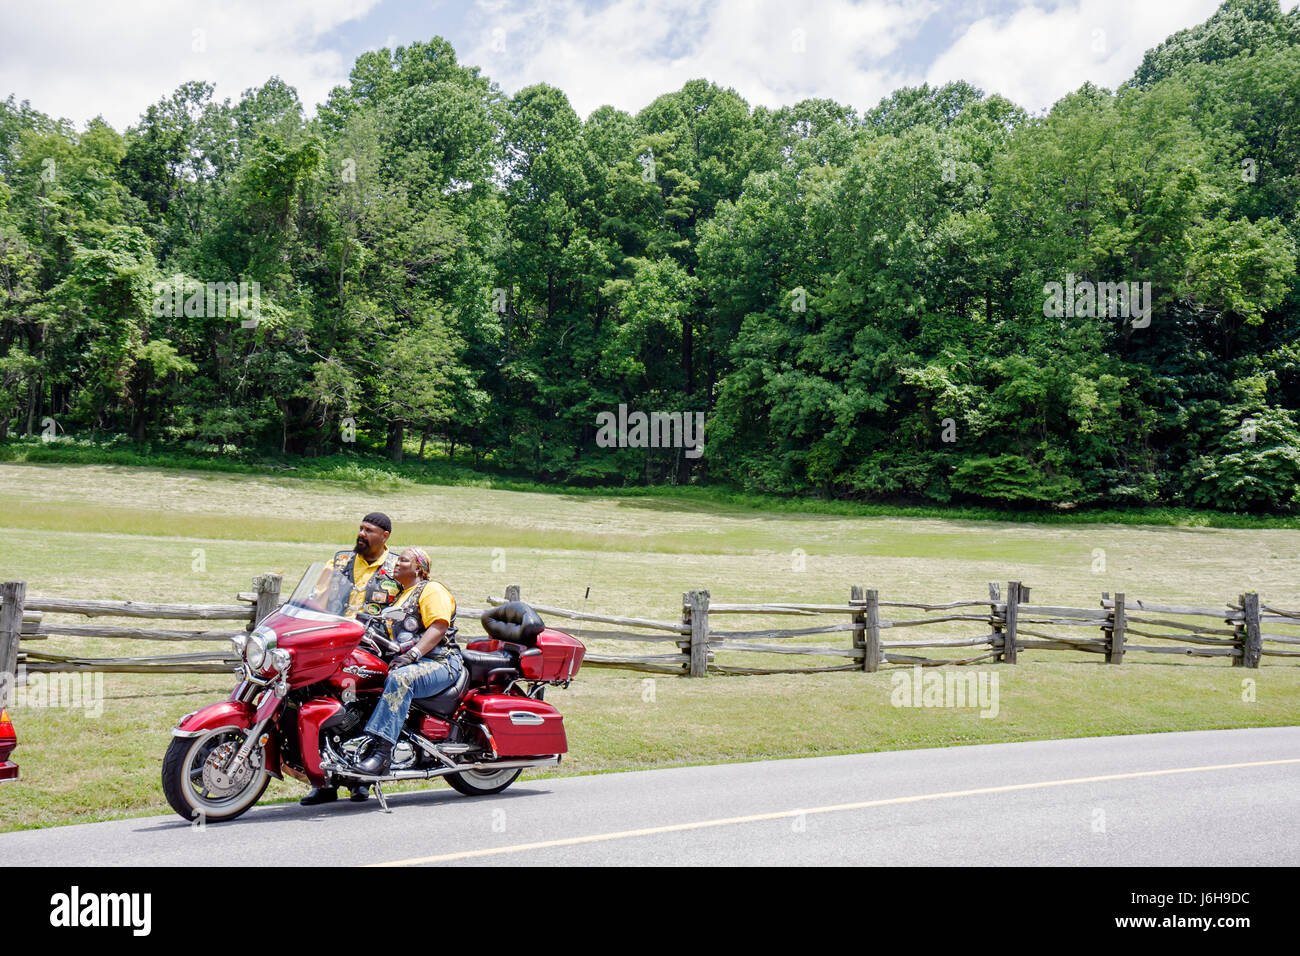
<point>551,761</point>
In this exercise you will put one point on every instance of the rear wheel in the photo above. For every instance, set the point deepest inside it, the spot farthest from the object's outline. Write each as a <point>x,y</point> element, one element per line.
<point>480,783</point>
<point>197,785</point>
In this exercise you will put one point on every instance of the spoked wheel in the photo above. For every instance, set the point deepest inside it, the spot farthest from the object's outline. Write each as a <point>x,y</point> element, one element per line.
<point>197,785</point>
<point>480,783</point>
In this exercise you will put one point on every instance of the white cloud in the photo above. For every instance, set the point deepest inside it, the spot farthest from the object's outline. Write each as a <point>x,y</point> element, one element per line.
<point>80,58</point>
<point>1034,57</point>
<point>628,52</point>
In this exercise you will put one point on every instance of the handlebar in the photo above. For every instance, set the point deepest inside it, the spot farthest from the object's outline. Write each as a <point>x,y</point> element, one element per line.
<point>375,632</point>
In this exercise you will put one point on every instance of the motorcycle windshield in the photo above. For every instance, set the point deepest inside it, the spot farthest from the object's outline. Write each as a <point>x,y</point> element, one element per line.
<point>323,589</point>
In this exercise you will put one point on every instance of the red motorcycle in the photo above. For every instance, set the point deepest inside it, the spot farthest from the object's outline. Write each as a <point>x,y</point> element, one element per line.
<point>309,679</point>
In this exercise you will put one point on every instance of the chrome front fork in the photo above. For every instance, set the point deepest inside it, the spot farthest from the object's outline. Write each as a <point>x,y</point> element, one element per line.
<point>254,735</point>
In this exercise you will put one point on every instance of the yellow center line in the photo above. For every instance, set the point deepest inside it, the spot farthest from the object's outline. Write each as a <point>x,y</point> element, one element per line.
<point>837,808</point>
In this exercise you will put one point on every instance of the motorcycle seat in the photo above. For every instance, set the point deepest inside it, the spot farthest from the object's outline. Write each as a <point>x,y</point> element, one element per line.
<point>444,704</point>
<point>481,664</point>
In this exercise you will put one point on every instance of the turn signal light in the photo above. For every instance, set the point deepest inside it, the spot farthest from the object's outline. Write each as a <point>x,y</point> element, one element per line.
<point>8,741</point>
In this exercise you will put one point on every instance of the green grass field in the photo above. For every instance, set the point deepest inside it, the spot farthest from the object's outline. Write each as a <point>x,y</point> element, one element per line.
<point>104,531</point>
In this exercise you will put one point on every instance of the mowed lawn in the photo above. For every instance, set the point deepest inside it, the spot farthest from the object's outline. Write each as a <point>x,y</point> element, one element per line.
<point>117,532</point>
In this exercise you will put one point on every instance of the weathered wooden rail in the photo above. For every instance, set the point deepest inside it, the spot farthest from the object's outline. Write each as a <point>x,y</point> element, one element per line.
<point>678,635</point>
<point>1245,631</point>
<point>1007,626</point>
<point>27,620</point>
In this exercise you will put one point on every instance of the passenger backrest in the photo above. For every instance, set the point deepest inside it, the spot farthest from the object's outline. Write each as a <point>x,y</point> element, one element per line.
<point>515,622</point>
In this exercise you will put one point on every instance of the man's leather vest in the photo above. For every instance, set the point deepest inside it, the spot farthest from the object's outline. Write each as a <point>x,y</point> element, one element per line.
<point>382,588</point>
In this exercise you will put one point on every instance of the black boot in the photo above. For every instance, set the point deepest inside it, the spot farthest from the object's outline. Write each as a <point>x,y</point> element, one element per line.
<point>377,758</point>
<point>360,793</point>
<point>320,795</point>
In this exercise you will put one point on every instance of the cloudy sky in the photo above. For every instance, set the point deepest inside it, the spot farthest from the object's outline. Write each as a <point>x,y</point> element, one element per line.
<point>81,58</point>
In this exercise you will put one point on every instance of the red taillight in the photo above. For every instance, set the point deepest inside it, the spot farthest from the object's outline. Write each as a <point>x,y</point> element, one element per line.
<point>8,741</point>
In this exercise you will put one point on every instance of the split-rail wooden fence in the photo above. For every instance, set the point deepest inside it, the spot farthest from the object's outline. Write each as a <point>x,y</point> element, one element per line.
<point>1245,631</point>
<point>1008,625</point>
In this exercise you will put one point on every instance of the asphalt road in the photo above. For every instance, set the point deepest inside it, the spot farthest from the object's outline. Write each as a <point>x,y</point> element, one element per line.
<point>1228,797</point>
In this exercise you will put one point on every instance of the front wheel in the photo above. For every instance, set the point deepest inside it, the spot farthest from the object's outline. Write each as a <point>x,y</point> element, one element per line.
<point>480,783</point>
<point>195,781</point>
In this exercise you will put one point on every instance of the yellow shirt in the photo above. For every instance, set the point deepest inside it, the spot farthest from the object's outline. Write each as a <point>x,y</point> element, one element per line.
<point>436,603</point>
<point>362,572</point>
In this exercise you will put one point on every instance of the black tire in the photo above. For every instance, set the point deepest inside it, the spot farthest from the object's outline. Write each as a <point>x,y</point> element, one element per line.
<point>184,786</point>
<point>481,783</point>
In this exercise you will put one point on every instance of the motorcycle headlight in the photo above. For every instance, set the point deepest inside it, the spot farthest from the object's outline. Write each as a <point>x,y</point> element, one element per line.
<point>280,659</point>
<point>255,653</point>
<point>238,642</point>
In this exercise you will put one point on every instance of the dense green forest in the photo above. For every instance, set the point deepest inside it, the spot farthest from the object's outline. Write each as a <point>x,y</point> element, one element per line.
<point>858,301</point>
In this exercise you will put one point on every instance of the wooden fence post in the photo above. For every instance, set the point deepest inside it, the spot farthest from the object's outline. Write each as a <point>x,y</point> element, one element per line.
<point>859,622</point>
<point>1118,622</point>
<point>512,593</point>
<point>695,612</point>
<point>1252,646</point>
<point>874,656</point>
<point>1009,639</point>
<point>12,593</point>
<point>268,595</point>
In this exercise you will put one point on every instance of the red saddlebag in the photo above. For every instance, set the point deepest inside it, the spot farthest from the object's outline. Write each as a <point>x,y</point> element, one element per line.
<point>519,726</point>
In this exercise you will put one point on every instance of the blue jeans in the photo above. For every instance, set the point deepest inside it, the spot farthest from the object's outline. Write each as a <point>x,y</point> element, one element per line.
<point>414,681</point>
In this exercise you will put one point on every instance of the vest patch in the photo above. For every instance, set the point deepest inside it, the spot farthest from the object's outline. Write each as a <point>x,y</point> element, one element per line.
<point>381,589</point>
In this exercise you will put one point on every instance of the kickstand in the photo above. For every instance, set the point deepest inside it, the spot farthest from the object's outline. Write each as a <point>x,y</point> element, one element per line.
<point>379,794</point>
